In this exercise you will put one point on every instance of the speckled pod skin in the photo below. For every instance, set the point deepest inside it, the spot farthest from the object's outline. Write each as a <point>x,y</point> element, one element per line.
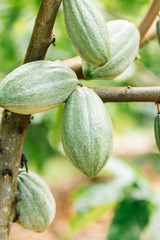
<point>86,131</point>
<point>157,130</point>
<point>36,210</point>
<point>158,30</point>
<point>87,31</point>
<point>124,39</point>
<point>36,87</point>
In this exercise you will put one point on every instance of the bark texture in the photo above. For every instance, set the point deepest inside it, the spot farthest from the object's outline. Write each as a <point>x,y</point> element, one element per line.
<point>128,94</point>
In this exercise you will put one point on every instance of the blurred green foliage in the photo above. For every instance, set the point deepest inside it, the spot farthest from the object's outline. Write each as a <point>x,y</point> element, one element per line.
<point>128,221</point>
<point>128,193</point>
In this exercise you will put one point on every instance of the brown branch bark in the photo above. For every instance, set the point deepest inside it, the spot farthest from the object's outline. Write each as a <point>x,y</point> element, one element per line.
<point>75,64</point>
<point>42,35</point>
<point>128,94</point>
<point>149,18</point>
<point>148,37</point>
<point>13,126</point>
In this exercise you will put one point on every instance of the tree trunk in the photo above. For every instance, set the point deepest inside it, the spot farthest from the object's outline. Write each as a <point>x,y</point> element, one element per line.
<point>13,126</point>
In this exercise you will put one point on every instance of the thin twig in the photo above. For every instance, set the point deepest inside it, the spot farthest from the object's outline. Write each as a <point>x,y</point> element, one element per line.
<point>150,35</point>
<point>149,18</point>
<point>128,94</point>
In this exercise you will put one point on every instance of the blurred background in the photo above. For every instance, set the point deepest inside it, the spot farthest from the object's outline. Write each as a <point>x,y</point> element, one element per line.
<point>123,202</point>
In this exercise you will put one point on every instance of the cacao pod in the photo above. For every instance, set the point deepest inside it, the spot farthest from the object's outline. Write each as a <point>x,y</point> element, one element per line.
<point>157,130</point>
<point>124,39</point>
<point>36,208</point>
<point>158,30</point>
<point>87,31</point>
<point>86,131</point>
<point>36,87</point>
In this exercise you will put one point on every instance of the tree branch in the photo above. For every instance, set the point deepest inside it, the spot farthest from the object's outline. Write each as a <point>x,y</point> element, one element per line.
<point>149,17</point>
<point>13,126</point>
<point>128,94</point>
<point>42,35</point>
<point>148,37</point>
<point>75,64</point>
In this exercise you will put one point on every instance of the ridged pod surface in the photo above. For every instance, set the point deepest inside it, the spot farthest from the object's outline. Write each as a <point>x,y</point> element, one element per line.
<point>36,87</point>
<point>86,131</point>
<point>36,210</point>
<point>157,130</point>
<point>87,31</point>
<point>158,30</point>
<point>124,39</point>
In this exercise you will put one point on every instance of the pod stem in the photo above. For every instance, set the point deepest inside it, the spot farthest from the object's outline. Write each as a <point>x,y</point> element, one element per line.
<point>158,109</point>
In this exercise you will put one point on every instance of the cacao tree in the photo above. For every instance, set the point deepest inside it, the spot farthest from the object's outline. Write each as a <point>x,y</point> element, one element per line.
<point>106,50</point>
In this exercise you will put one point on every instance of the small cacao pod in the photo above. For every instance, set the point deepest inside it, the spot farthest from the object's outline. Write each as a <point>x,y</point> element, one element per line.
<point>87,31</point>
<point>36,87</point>
<point>86,131</point>
<point>36,208</point>
<point>158,30</point>
<point>124,39</point>
<point>157,130</point>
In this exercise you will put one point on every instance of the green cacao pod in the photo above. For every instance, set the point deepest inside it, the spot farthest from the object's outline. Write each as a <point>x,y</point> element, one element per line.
<point>36,87</point>
<point>158,30</point>
<point>87,31</point>
<point>86,131</point>
<point>124,39</point>
<point>157,130</point>
<point>36,208</point>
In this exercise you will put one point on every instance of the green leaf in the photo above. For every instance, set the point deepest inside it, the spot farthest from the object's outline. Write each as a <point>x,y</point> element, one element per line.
<point>126,181</point>
<point>98,194</point>
<point>92,201</point>
<point>80,221</point>
<point>153,230</point>
<point>131,217</point>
